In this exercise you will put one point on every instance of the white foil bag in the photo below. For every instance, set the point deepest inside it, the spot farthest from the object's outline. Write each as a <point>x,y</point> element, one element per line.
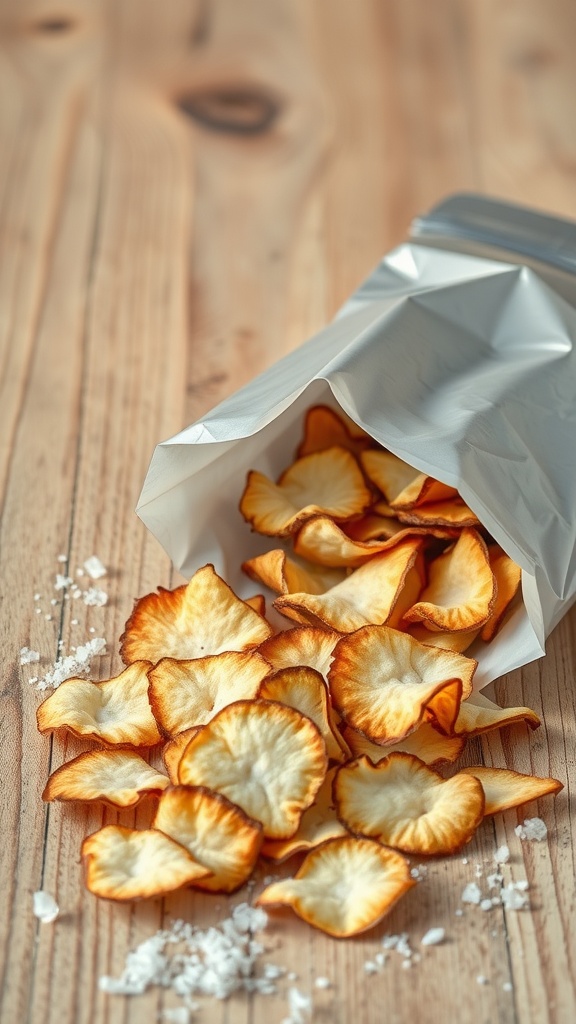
<point>457,354</point>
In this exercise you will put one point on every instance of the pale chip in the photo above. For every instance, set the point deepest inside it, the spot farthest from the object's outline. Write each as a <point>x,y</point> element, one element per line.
<point>302,645</point>
<point>325,428</point>
<point>317,824</point>
<point>265,757</point>
<point>461,590</point>
<point>403,486</point>
<point>183,694</point>
<point>327,482</point>
<point>197,619</point>
<point>284,575</point>
<point>426,742</point>
<point>449,641</point>
<point>380,591</point>
<point>114,712</point>
<point>214,831</point>
<point>504,788</point>
<point>385,683</point>
<point>343,887</point>
<point>304,689</point>
<point>508,576</point>
<point>403,803</point>
<point>120,778</point>
<point>124,864</point>
<point>478,714</point>
<point>451,513</point>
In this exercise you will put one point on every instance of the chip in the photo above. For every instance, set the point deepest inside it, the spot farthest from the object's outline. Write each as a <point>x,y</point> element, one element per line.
<point>120,778</point>
<point>286,576</point>
<point>325,428</point>
<point>478,714</point>
<point>200,618</point>
<point>257,602</point>
<point>115,711</point>
<point>451,513</point>
<point>504,789</point>
<point>403,803</point>
<point>124,864</point>
<point>305,690</point>
<point>385,683</point>
<point>214,831</point>
<point>183,694</point>
<point>327,482</point>
<point>266,758</point>
<point>173,750</point>
<point>508,576</point>
<point>401,484</point>
<point>317,824</point>
<point>461,591</point>
<point>379,591</point>
<point>344,886</point>
<point>426,742</point>
<point>302,645</point>
<point>458,642</point>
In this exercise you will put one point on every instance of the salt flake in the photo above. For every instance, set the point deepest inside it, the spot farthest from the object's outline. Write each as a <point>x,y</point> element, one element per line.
<point>533,829</point>
<point>94,567</point>
<point>45,907</point>
<point>433,937</point>
<point>471,893</point>
<point>27,656</point>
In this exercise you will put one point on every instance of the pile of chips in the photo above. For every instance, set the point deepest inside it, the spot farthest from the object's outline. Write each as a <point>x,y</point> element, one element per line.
<point>322,740</point>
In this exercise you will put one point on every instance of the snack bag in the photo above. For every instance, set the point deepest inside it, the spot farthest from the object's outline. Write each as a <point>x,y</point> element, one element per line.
<point>456,354</point>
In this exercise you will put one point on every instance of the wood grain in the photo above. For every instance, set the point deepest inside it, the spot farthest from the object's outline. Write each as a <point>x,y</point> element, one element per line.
<point>187,191</point>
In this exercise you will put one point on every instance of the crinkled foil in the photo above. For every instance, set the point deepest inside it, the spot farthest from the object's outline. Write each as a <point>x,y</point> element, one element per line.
<point>459,362</point>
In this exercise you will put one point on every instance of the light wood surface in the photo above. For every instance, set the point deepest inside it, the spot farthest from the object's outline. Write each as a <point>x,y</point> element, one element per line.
<point>187,191</point>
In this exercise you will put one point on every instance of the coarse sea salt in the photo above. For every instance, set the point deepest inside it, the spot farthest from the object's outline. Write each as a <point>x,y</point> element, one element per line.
<point>533,829</point>
<point>433,937</point>
<point>71,665</point>
<point>502,855</point>
<point>28,657</point>
<point>471,893</point>
<point>94,597</point>
<point>94,567</point>
<point>45,907</point>
<point>215,962</point>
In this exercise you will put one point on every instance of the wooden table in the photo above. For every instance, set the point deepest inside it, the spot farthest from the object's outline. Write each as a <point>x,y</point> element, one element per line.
<point>188,189</point>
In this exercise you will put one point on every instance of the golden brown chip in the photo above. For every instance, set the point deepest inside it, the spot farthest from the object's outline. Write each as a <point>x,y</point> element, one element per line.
<point>286,576</point>
<point>426,742</point>
<point>402,485</point>
<point>458,642</point>
<point>478,714</point>
<point>120,778</point>
<point>344,886</point>
<point>451,513</point>
<point>385,683</point>
<point>173,750</point>
<point>123,864</point>
<point>328,482</point>
<point>257,603</point>
<point>302,645</point>
<point>405,804</point>
<point>304,689</point>
<point>265,757</point>
<point>317,824</point>
<point>183,694</point>
<point>461,591</point>
<point>508,576</point>
<point>379,591</point>
<point>214,831</point>
<point>115,711</point>
<point>200,618</point>
<point>325,428</point>
<point>504,788</point>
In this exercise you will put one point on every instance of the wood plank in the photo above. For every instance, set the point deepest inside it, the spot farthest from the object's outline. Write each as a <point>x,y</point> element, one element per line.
<point>187,190</point>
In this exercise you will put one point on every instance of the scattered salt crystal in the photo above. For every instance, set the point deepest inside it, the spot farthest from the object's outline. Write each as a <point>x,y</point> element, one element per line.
<point>433,937</point>
<point>62,582</point>
<point>79,572</point>
<point>48,618</point>
<point>94,567</point>
<point>33,679</point>
<point>514,898</point>
<point>380,959</point>
<point>493,881</point>
<point>464,860</point>
<point>502,855</point>
<point>62,558</point>
<point>486,904</point>
<point>53,601</point>
<point>458,912</point>
<point>370,967</point>
<point>72,665</point>
<point>419,872</point>
<point>292,976</point>
<point>400,943</point>
<point>533,829</point>
<point>73,622</point>
<point>322,982</point>
<point>478,870</point>
<point>299,1006</point>
<point>522,884</point>
<point>45,907</point>
<point>37,597</point>
<point>91,630</point>
<point>471,893</point>
<point>179,1015</point>
<point>481,979</point>
<point>94,597</point>
<point>27,656</point>
<point>507,986</point>
<point>406,963</point>
<point>38,611</point>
